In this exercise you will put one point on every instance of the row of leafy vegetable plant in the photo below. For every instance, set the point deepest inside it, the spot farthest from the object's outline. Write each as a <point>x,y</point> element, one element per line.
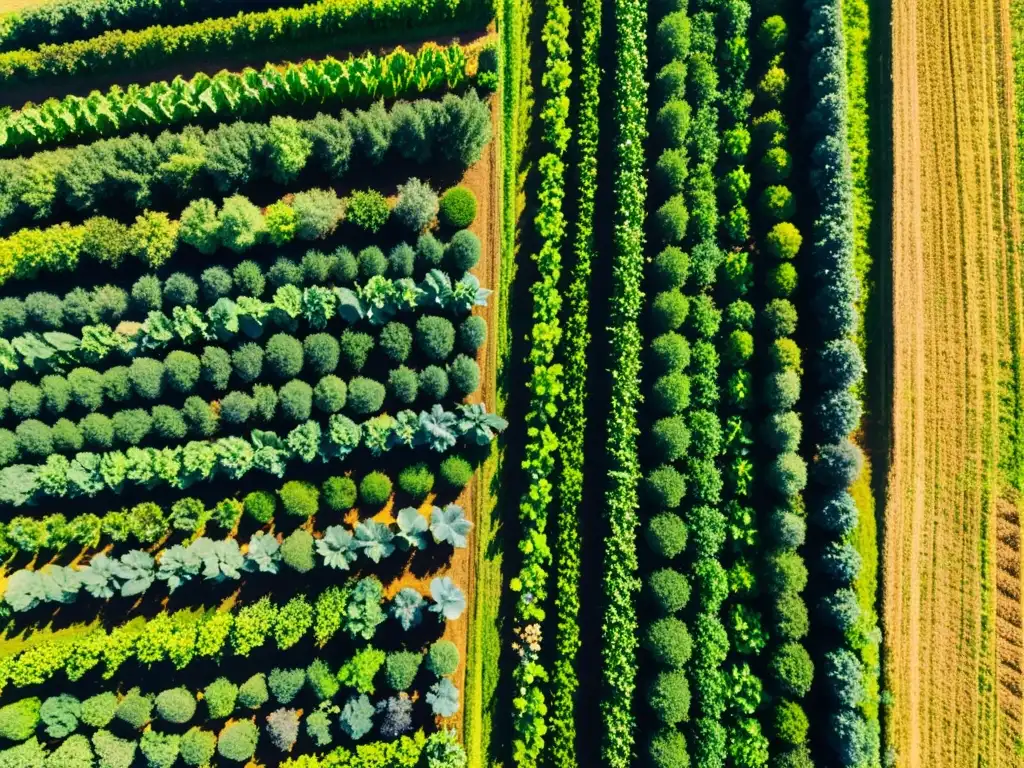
<point>576,343</point>
<point>620,583</point>
<point>545,386</point>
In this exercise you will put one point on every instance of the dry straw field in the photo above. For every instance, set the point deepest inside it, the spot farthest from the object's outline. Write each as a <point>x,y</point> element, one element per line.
<point>952,575</point>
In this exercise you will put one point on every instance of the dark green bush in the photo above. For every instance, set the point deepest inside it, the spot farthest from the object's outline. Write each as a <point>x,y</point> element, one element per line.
<point>668,641</point>
<point>216,282</point>
<point>26,399</point>
<point>442,658</point>
<point>181,371</point>
<point>416,480</point>
<point>265,398</point>
<point>457,208</point>
<point>247,361</point>
<point>669,697</point>
<point>665,487</point>
<point>670,268</point>
<point>249,279</point>
<point>365,396</point>
<point>283,272</point>
<point>135,709</point>
<point>666,534</point>
<point>670,82</point>
<point>297,552</point>
<point>792,669</point>
<point>435,337</point>
<point>317,213</point>
<point>56,394</point>
<point>671,220</point>
<point>285,684</point>
<point>180,290</point>
<point>671,438</point>
<point>339,493</point>
<point>253,694</point>
<point>215,367</point>
<point>403,385</point>
<point>236,408</point>
<point>401,261</point>
<point>330,394</point>
<point>176,705</point>
<point>463,251</point>
<point>401,668</point>
<point>669,590</point>
<point>200,417</point>
<point>396,341</point>
<point>667,749</point>
<point>322,352</point>
<point>464,375</point>
<point>67,437</point>
<point>98,431</point>
<point>44,311</point>
<point>299,498</point>
<point>344,268</point>
<point>187,515</point>
<point>792,620</point>
<point>147,377</point>
<point>197,746</point>
<point>375,489</point>
<point>260,506</point>
<point>296,400</point>
<point>780,318</point>
<point>316,267</point>
<point>12,316</point>
<point>670,353</point>
<point>671,170</point>
<point>705,317</point>
<point>117,387</point>
<point>672,36</point>
<point>372,261</point>
<point>284,356</point>
<point>671,393</point>
<point>237,741</point>
<point>34,438</point>
<point>131,426</point>
<point>472,334</point>
<point>147,293</point>
<point>456,472</point>
<point>355,349</point>
<point>429,252</point>
<point>669,310</point>
<point>782,390</point>
<point>673,123</point>
<point>433,382</point>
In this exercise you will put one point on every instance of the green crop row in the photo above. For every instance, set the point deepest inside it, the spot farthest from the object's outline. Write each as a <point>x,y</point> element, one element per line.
<point>248,93</point>
<point>545,386</point>
<point>576,343</point>
<point>345,22</point>
<point>440,749</point>
<point>620,584</point>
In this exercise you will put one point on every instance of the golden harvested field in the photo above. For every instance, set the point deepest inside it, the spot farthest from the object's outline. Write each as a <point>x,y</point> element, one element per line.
<point>952,574</point>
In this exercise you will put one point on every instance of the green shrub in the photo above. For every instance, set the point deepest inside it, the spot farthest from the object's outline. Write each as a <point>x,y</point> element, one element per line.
<point>330,394</point>
<point>215,367</point>
<point>317,212</point>
<point>285,684</point>
<point>284,272</point>
<point>249,279</point>
<point>147,378</point>
<point>435,337</point>
<point>253,693</point>
<point>670,269</point>
<point>429,252</point>
<point>238,741</point>
<point>99,710</point>
<point>401,668</point>
<point>113,752</point>
<point>355,349</point>
<point>456,472</point>
<point>772,34</point>
<point>176,705</point>
<point>281,222</point>
<point>401,261</point>
<point>44,310</point>
<point>417,204</point>
<point>671,393</point>
<point>74,752</point>
<point>670,353</point>
<point>147,293</point>
<point>296,400</point>
<point>12,316</point>
<point>782,390</point>
<point>739,347</point>
<point>464,375</point>
<point>433,383</point>
<point>372,262</point>
<point>668,641</point>
<point>318,727</point>
<point>790,723</point>
<point>785,355</point>
<point>705,317</point>
<point>792,669</point>
<point>669,310</point>
<point>299,498</point>
<point>9,450</point>
<point>197,746</point>
<point>56,394</point>
<point>396,341</point>
<point>472,334</point>
<point>671,438</point>
<point>168,423</point>
<point>321,352</point>
<point>339,493</point>
<point>463,251</point>
<point>322,680</point>
<point>666,535</point>
<point>665,487</point>
<point>247,361</point>
<point>284,356</point>
<point>34,438</point>
<point>782,280</point>
<point>375,489</point>
<point>236,408</point>
<point>107,241</point>
<point>403,385</point>
<point>297,551</point>
<point>780,318</point>
<point>180,290</point>
<point>199,226</point>
<point>187,514</point>
<point>60,715</point>
<point>671,170</point>
<point>181,371</point>
<point>669,697</point>
<point>671,220</point>
<point>131,426</point>
<point>135,709</point>
<point>367,210</point>
<point>365,396</point>
<point>26,399</point>
<point>457,208</point>
<point>265,398</point>
<point>669,590</point>
<point>773,85</point>
<point>783,241</point>
<point>117,387</point>
<point>667,749</point>
<point>97,431</point>
<point>260,506</point>
<point>442,658</point>
<point>316,267</point>
<point>344,268</point>
<point>416,481</point>
<point>672,36</point>
<point>200,417</point>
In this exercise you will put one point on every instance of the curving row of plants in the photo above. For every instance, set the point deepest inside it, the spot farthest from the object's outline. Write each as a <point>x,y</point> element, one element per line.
<point>344,22</point>
<point>561,748</point>
<point>620,583</point>
<point>137,170</point>
<point>836,411</point>
<point>250,92</point>
<point>545,386</point>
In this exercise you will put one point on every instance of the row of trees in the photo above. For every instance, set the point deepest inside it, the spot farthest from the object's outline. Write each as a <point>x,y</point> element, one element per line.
<point>545,387</point>
<point>137,170</point>
<point>345,22</point>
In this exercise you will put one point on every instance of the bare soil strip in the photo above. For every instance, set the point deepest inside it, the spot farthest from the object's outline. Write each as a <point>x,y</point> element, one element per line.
<point>950,605</point>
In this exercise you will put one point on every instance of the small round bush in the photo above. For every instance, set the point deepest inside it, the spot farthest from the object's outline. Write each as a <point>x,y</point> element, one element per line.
<point>429,252</point>
<point>417,204</point>
<point>247,361</point>
<point>60,714</point>
<point>782,390</point>
<point>176,705</point>
<point>199,227</point>
<point>670,353</point>
<point>669,697</point>
<point>299,498</point>
<point>330,394</point>
<point>665,487</point>
<point>322,352</point>
<point>776,165</point>
<point>456,472</point>
<point>367,210</point>
<point>667,749</point>
<point>400,669</point>
<point>771,36</point>
<point>236,408</point>
<point>316,267</point>
<point>285,684</point>
<point>12,316</point>
<point>147,378</point>
<point>180,290</point>
<point>463,251</point>
<point>782,431</point>
<point>435,336</point>
<point>240,224</point>
<point>669,590</point>
<point>97,431</point>
<point>365,396</point>
<point>117,386</point>
<point>237,742</point>
<point>792,669</point>
<point>671,170</point>
<point>34,438</point>
<point>472,334</point>
<point>671,393</point>
<point>67,437</point>
<point>281,222</point>
<point>785,355</point>
<point>265,398</point>
<point>26,399</point>
<point>666,534</point>
<point>403,385</point>
<point>784,240</point>
<point>98,711</point>
<point>344,268</point>
<point>671,82</point>
<point>396,341</point>
<point>216,282</point>
<point>442,658</point>
<point>248,278</point>
<point>9,450</point>
<point>670,269</point>
<point>355,349</point>
<point>283,272</point>
<point>780,318</point>
<point>131,426</point>
<point>253,693</point>
<point>284,356</point>
<point>433,383</point>
<point>464,375</point>
<point>669,310</point>
<point>56,394</point>
<point>705,258</point>
<point>739,346</point>
<point>260,506</point>
<point>181,371</point>
<point>215,367</point>
<point>372,262</point>
<point>199,416</point>
<point>671,438</point>
<point>740,315</point>
<point>668,641</point>
<point>18,720</point>
<point>782,280</point>
<point>705,317</point>
<point>339,493</point>
<point>672,36</point>
<point>417,481</point>
<point>297,551</point>
<point>671,220</point>
<point>109,303</point>
<point>401,261</point>
<point>135,709</point>
<point>44,311</point>
<point>197,746</point>
<point>375,489</point>
<point>147,293</point>
<point>296,400</point>
<point>457,208</point>
<point>322,680</point>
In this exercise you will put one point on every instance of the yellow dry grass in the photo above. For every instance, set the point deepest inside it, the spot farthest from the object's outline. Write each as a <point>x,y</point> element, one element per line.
<point>954,228</point>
